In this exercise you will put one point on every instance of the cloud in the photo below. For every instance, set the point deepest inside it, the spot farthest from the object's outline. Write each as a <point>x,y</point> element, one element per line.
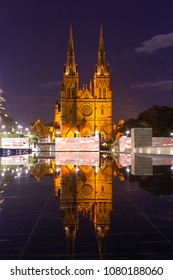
<point>155,43</point>
<point>50,85</point>
<point>165,85</point>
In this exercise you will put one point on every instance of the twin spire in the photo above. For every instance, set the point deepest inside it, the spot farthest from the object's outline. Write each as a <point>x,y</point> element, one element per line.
<point>71,67</point>
<point>101,51</point>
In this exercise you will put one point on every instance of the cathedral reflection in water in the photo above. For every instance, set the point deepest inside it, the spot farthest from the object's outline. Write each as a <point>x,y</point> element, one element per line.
<point>85,189</point>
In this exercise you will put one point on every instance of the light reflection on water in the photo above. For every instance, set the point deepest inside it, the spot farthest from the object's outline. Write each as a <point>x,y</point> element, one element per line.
<point>117,208</point>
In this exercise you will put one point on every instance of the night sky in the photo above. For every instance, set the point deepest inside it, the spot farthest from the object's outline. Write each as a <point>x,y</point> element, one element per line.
<point>138,36</point>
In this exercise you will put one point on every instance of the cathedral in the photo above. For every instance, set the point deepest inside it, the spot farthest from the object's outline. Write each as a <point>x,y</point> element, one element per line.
<point>86,111</point>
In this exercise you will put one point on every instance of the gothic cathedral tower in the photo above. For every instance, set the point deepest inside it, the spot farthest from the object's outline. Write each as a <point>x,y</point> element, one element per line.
<point>87,111</point>
<point>69,92</point>
<point>103,95</point>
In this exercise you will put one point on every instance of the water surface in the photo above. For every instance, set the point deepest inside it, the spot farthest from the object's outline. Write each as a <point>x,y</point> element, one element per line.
<point>113,208</point>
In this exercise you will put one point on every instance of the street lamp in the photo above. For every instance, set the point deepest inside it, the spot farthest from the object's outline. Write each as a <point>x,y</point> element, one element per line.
<point>77,133</point>
<point>96,133</point>
<point>58,133</point>
<point>2,128</point>
<point>127,133</point>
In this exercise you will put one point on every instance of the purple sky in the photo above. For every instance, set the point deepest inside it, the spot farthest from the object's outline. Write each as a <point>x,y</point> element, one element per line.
<point>34,36</point>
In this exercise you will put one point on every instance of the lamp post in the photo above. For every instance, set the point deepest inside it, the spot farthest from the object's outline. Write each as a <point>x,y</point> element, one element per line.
<point>58,133</point>
<point>127,133</point>
<point>2,127</point>
<point>96,133</point>
<point>77,133</point>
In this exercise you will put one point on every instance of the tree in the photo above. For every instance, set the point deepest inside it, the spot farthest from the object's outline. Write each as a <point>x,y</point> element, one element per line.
<point>160,118</point>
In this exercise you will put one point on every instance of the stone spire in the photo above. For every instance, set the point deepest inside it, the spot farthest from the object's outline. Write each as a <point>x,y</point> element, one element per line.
<point>101,67</point>
<point>101,51</point>
<point>70,68</point>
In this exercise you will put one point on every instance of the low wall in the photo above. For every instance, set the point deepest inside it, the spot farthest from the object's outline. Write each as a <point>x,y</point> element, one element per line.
<point>159,145</point>
<point>77,144</point>
<point>127,159</point>
<point>168,150</point>
<point>15,143</point>
<point>162,141</point>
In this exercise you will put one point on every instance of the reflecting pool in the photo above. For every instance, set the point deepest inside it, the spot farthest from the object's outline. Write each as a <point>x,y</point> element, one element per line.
<point>86,206</point>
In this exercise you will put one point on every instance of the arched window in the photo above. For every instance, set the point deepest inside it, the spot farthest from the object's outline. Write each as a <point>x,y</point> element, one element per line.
<point>102,110</point>
<point>73,92</point>
<point>100,92</point>
<point>68,92</point>
<point>104,92</point>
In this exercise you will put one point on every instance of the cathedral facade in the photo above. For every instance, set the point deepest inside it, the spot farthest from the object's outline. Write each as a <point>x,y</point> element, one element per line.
<point>86,111</point>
